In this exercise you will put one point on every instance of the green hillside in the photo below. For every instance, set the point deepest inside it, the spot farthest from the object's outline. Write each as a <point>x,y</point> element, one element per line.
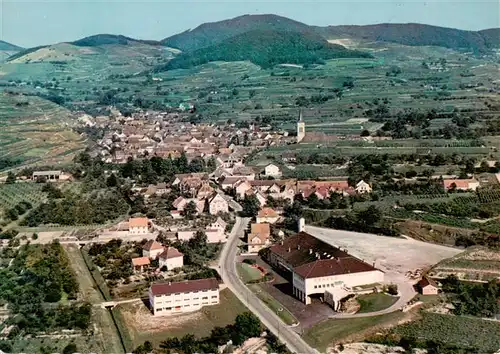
<point>266,49</point>
<point>208,34</point>
<point>414,34</point>
<point>106,39</point>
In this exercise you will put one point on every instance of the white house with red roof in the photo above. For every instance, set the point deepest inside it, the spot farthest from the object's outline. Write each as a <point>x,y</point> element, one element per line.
<point>184,296</point>
<point>171,258</point>
<point>138,226</point>
<point>152,249</point>
<point>460,184</point>
<point>268,215</point>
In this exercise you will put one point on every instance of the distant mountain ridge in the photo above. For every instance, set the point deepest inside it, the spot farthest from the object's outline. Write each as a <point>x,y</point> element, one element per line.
<point>414,34</point>
<point>215,32</point>
<point>5,46</point>
<point>107,39</point>
<point>266,48</point>
<point>411,34</point>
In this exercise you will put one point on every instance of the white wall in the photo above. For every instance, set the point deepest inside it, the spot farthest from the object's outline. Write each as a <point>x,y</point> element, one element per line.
<point>171,263</point>
<point>138,230</point>
<point>152,254</point>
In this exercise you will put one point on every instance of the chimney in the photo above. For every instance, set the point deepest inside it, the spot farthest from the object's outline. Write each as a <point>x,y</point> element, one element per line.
<point>317,255</point>
<point>289,249</point>
<point>281,242</point>
<point>298,247</point>
<point>310,251</point>
<point>169,283</point>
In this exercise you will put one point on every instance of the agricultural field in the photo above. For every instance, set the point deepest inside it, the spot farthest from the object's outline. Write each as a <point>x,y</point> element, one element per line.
<point>476,263</point>
<point>482,336</point>
<point>13,194</point>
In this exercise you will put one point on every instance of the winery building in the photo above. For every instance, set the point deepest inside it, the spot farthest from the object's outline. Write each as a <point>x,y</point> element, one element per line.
<point>315,267</point>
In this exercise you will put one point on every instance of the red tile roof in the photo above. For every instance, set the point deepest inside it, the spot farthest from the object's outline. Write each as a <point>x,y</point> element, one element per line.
<point>184,286</point>
<point>140,261</point>
<point>426,282</point>
<point>267,212</point>
<point>459,183</point>
<point>138,222</point>
<point>170,252</point>
<point>311,257</point>
<point>329,267</point>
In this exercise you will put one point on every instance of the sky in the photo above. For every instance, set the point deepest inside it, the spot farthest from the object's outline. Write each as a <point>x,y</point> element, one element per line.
<point>39,22</point>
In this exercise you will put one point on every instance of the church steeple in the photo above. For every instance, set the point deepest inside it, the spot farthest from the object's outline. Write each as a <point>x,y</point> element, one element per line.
<point>301,119</point>
<point>301,128</point>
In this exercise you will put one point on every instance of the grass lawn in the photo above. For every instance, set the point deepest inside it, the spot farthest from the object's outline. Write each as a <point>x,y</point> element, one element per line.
<point>142,325</point>
<point>273,304</point>
<point>375,302</point>
<point>248,273</point>
<point>321,335</point>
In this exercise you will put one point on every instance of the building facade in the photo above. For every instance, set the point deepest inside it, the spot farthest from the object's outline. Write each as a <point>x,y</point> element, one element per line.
<point>218,205</point>
<point>301,128</point>
<point>185,296</point>
<point>138,226</point>
<point>314,267</point>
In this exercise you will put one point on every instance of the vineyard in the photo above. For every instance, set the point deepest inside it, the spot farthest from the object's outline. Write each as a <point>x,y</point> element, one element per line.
<point>464,332</point>
<point>13,194</point>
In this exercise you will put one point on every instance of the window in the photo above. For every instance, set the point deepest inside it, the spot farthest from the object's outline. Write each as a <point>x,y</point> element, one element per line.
<point>315,286</point>
<point>168,308</point>
<point>186,305</point>
<point>177,293</point>
<point>157,310</point>
<point>196,304</point>
<point>214,297</point>
<point>195,298</point>
<point>204,298</point>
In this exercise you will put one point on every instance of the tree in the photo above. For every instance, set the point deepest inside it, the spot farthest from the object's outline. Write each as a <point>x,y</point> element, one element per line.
<point>11,178</point>
<point>250,205</point>
<point>247,325</point>
<point>112,181</point>
<point>182,163</point>
<point>70,349</point>
<point>369,216</point>
<point>190,210</point>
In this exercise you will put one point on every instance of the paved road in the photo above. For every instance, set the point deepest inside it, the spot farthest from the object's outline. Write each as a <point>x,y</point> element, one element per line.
<point>227,268</point>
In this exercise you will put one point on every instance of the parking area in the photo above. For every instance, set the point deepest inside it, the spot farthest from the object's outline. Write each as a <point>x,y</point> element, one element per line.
<point>390,254</point>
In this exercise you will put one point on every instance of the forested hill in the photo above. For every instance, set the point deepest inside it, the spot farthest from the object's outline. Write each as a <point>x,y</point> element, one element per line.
<point>9,47</point>
<point>266,48</point>
<point>414,34</point>
<point>212,33</point>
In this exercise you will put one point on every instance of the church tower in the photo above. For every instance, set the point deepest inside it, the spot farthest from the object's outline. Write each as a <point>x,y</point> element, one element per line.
<point>301,128</point>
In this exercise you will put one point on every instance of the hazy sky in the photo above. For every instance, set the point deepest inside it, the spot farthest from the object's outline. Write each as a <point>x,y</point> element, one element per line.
<point>37,22</point>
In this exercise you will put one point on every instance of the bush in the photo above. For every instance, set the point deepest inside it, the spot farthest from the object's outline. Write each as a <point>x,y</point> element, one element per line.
<point>392,289</point>
<point>249,261</point>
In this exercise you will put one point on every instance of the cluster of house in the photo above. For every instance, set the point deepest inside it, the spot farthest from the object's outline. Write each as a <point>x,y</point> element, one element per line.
<point>168,134</point>
<point>288,188</point>
<point>259,236</point>
<point>168,257</point>
<point>215,231</point>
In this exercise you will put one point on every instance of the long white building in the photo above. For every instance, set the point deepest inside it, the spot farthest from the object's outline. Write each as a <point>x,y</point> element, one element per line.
<point>183,296</point>
<point>315,267</point>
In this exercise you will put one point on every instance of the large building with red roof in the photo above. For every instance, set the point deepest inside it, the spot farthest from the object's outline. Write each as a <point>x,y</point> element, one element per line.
<point>315,266</point>
<point>183,296</point>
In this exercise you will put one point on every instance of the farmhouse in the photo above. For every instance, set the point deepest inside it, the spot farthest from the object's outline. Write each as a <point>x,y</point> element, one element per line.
<point>138,226</point>
<point>267,215</point>
<point>427,286</point>
<point>315,267</point>
<point>184,296</point>
<point>363,187</point>
<point>139,263</point>
<point>152,249</point>
<point>460,184</point>
<point>272,170</point>
<point>217,204</point>
<point>51,176</point>
<point>258,238</point>
<point>171,258</point>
